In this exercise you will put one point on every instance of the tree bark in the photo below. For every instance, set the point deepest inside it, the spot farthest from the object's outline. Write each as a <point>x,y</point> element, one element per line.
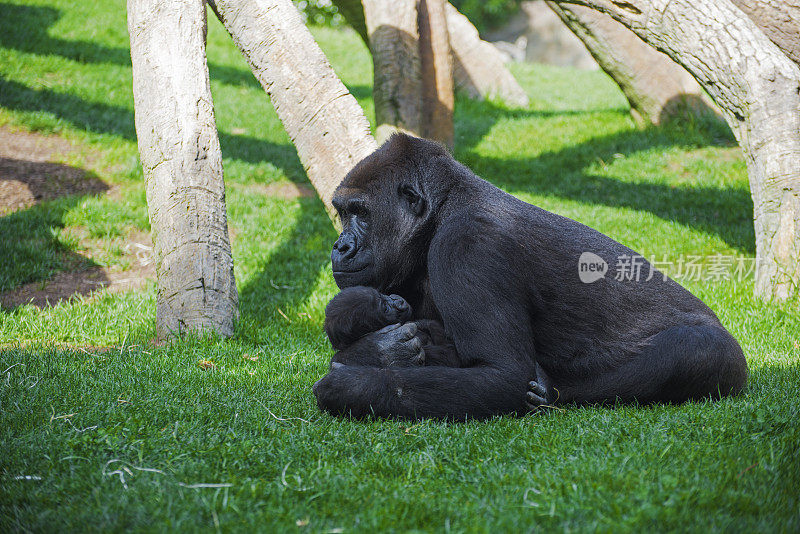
<point>323,120</point>
<point>478,66</point>
<point>779,20</point>
<point>758,89</point>
<point>656,87</point>
<point>397,82</point>
<point>437,72</point>
<point>182,164</point>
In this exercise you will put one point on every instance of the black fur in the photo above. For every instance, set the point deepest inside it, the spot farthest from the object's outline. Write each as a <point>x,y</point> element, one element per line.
<point>357,311</point>
<point>355,321</point>
<point>501,275</point>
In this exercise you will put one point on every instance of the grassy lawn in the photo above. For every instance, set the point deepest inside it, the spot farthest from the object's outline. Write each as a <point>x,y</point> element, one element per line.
<point>101,430</point>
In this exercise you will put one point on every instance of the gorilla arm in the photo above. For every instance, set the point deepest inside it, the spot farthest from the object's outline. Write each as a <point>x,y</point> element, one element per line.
<point>492,335</point>
<point>396,345</point>
<point>495,383</point>
<point>420,392</point>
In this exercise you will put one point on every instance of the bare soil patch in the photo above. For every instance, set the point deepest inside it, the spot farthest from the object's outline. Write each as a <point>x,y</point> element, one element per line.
<point>83,282</point>
<point>682,165</point>
<point>30,173</point>
<point>283,190</point>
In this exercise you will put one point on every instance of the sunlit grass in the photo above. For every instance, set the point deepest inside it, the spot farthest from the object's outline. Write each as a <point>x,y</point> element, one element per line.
<point>100,430</point>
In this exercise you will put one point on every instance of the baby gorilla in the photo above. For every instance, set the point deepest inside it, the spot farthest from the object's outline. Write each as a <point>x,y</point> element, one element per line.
<point>367,328</point>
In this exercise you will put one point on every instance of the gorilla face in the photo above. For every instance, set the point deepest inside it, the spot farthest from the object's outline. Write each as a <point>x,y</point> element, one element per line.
<point>395,309</point>
<point>352,257</point>
<point>386,221</point>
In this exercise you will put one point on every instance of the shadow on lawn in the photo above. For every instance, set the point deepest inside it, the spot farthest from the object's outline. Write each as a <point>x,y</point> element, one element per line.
<point>31,37</point>
<point>115,120</point>
<point>724,211</point>
<point>294,263</point>
<point>32,251</point>
<point>289,275</point>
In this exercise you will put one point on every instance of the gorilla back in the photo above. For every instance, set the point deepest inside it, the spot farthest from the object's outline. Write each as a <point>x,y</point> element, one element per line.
<point>505,279</point>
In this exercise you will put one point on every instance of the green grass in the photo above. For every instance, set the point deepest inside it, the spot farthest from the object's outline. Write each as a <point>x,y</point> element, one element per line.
<point>136,437</point>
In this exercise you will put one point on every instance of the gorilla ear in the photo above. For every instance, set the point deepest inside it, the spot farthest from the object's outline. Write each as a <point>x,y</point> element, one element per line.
<point>412,199</point>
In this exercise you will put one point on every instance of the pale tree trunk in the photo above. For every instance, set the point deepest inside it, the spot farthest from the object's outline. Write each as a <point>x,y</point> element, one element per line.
<point>779,20</point>
<point>180,154</point>
<point>437,72</point>
<point>758,89</point>
<point>478,66</point>
<point>323,120</point>
<point>656,87</point>
<point>397,82</point>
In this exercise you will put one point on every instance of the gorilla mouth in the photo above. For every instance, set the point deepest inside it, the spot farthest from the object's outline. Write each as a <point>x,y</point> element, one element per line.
<point>364,268</point>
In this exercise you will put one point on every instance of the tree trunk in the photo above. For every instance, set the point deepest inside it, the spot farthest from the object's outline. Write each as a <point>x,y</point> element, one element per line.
<point>478,67</point>
<point>758,89</point>
<point>324,121</point>
<point>437,72</point>
<point>656,87</point>
<point>182,165</point>
<point>779,20</point>
<point>397,83</point>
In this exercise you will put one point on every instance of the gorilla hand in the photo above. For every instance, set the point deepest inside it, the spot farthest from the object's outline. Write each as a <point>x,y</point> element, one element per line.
<point>396,345</point>
<point>399,345</point>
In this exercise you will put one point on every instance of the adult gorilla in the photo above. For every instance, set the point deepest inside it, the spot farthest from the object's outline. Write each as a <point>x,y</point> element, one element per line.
<point>503,277</point>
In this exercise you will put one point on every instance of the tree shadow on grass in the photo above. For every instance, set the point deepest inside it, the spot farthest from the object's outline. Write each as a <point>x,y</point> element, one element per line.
<point>31,251</point>
<point>25,28</point>
<point>295,263</point>
<point>566,173</point>
<point>360,92</point>
<point>289,275</point>
<point>114,120</point>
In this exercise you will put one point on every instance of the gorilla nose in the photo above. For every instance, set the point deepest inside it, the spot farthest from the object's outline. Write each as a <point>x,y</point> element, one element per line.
<point>345,246</point>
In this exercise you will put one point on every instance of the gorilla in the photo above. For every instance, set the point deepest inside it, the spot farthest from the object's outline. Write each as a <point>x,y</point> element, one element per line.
<point>364,326</point>
<point>503,278</point>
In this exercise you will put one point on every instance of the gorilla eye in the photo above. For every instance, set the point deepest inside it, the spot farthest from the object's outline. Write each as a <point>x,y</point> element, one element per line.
<point>413,199</point>
<point>357,209</point>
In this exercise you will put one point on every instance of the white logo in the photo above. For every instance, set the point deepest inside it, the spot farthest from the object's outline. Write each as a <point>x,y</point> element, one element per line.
<point>591,267</point>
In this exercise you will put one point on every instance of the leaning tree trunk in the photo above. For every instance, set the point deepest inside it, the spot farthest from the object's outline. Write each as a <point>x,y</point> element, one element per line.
<point>758,89</point>
<point>413,80</point>
<point>397,83</point>
<point>436,66</point>
<point>779,20</point>
<point>656,87</point>
<point>478,67</point>
<point>323,119</point>
<point>182,164</point>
